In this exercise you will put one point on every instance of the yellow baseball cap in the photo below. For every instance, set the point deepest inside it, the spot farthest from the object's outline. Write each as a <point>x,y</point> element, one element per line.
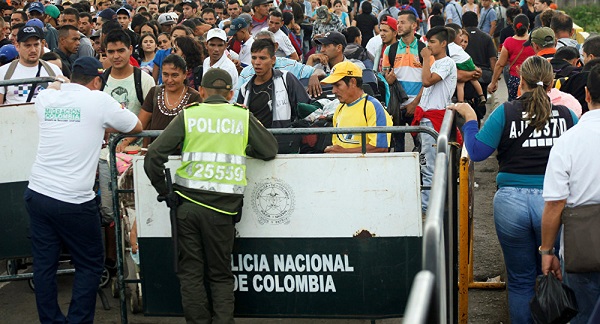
<point>341,70</point>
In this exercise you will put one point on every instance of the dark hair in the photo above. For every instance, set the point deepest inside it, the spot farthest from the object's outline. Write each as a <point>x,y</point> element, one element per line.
<point>191,50</point>
<point>547,2</point>
<point>82,79</point>
<point>469,19</point>
<point>367,8</point>
<point>138,20</point>
<point>436,9</point>
<point>71,11</point>
<point>436,21</point>
<point>440,33</point>
<point>64,31</point>
<point>208,10</point>
<point>140,48</point>
<point>189,23</point>
<point>50,56</point>
<point>21,25</point>
<point>511,13</point>
<point>117,35</point>
<point>561,22</point>
<point>453,30</point>
<point>546,17</point>
<point>23,15</point>
<point>347,79</point>
<point>110,25</point>
<point>351,33</point>
<point>521,24</point>
<point>288,17</point>
<point>538,106</point>
<point>566,53</point>
<point>177,61</point>
<point>276,13</point>
<point>187,30</point>
<point>261,44</point>
<point>591,46</point>
<point>384,17</point>
<point>151,24</point>
<point>233,2</point>
<point>593,81</point>
<point>86,14</point>
<point>391,3</point>
<point>409,14</point>
<point>219,5</point>
<point>246,8</point>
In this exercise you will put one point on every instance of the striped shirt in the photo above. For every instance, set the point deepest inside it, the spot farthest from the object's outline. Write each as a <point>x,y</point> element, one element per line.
<point>407,67</point>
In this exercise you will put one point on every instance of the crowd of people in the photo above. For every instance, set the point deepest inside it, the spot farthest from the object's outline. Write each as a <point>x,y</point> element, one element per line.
<point>402,62</point>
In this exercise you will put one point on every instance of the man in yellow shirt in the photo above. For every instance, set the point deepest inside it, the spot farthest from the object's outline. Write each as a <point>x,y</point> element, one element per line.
<point>356,109</point>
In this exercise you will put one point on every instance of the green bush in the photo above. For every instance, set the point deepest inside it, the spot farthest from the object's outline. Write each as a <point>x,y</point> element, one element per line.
<point>586,17</point>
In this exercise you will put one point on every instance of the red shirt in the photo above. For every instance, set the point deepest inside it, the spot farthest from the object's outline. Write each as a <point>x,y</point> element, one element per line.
<point>514,46</point>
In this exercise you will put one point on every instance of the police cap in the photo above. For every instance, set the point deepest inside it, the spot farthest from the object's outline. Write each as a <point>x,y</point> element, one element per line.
<point>216,78</point>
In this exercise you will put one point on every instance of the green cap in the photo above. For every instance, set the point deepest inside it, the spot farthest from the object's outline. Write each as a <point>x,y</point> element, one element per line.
<point>543,36</point>
<point>216,78</point>
<point>52,11</point>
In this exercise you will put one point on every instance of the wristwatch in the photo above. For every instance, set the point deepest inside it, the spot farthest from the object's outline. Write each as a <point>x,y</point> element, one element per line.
<point>546,252</point>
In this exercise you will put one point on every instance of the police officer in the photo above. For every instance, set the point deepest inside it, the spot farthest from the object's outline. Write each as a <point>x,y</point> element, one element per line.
<point>215,138</point>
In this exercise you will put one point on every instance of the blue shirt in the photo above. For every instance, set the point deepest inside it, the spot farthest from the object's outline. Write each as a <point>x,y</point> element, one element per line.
<point>485,19</point>
<point>159,57</point>
<point>454,11</point>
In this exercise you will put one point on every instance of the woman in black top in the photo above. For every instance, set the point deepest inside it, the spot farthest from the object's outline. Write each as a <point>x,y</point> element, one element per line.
<point>528,10</point>
<point>367,23</point>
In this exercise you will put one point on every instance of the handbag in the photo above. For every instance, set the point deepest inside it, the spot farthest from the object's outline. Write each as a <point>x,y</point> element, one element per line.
<point>581,239</point>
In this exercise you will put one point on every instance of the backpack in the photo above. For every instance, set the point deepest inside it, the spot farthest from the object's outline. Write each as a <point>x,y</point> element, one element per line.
<point>500,20</point>
<point>137,80</point>
<point>13,66</point>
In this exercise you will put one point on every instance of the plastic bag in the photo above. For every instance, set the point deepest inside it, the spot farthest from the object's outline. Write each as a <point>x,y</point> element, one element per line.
<point>553,303</point>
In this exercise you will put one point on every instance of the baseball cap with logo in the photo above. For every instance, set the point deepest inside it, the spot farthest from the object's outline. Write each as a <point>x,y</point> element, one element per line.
<point>88,65</point>
<point>216,78</point>
<point>236,25</point>
<point>341,70</point>
<point>393,23</point>
<point>36,6</point>
<point>27,32</point>
<point>332,38</point>
<point>165,19</point>
<point>216,33</point>
<point>543,36</point>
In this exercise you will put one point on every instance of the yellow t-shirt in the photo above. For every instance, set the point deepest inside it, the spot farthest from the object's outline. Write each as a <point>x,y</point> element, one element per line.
<point>365,111</point>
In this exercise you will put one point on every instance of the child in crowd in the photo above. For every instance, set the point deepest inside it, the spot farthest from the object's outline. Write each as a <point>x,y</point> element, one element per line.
<point>464,62</point>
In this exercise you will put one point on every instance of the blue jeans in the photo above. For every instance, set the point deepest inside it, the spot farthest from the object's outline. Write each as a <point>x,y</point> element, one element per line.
<point>56,224</point>
<point>587,292</point>
<point>518,219</point>
<point>427,160</point>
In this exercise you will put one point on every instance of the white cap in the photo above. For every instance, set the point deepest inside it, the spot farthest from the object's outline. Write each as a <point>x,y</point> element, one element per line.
<point>166,18</point>
<point>218,33</point>
<point>174,15</point>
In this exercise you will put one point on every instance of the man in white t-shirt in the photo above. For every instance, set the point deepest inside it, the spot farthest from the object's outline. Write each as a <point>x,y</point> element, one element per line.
<point>285,49</point>
<point>216,41</point>
<point>29,65</point>
<point>439,82</point>
<point>120,84</point>
<point>60,197</point>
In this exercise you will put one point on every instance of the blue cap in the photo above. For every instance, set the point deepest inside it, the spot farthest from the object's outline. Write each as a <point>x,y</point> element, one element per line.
<point>236,25</point>
<point>88,65</point>
<point>8,53</point>
<point>108,14</point>
<point>35,22</point>
<point>36,6</point>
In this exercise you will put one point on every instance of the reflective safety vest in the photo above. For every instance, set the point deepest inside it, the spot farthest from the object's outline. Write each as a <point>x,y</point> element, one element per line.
<point>214,149</point>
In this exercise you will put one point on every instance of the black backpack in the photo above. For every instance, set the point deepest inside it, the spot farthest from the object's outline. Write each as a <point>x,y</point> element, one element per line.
<point>137,80</point>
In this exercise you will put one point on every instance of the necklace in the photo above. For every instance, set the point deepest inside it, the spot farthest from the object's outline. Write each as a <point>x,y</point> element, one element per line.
<point>163,102</point>
<point>167,96</point>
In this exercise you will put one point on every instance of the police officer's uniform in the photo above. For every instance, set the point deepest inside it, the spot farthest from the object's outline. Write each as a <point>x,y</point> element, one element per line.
<point>215,137</point>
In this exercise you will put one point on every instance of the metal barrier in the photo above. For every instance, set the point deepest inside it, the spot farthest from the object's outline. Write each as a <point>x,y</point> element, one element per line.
<point>433,297</point>
<point>299,131</point>
<point>465,269</point>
